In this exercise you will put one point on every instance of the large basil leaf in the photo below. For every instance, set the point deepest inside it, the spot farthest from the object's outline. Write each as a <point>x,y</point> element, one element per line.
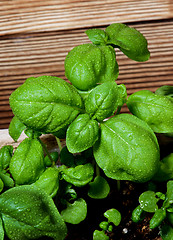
<point>27,163</point>
<point>75,212</point>
<point>82,133</point>
<point>80,175</point>
<point>130,41</point>
<point>47,104</point>
<point>127,149</point>
<point>1,229</point>
<point>154,109</point>
<point>5,156</point>
<point>49,181</point>
<point>30,213</point>
<point>88,64</point>
<point>102,101</point>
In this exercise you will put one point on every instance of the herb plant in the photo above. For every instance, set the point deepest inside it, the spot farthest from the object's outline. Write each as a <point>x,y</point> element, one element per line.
<point>37,195</point>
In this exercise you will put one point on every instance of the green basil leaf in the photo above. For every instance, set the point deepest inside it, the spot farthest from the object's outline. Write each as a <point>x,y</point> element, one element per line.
<point>1,229</point>
<point>16,128</point>
<point>169,193</point>
<point>113,216</point>
<point>170,217</point>
<point>80,175</point>
<point>88,64</point>
<point>49,181</point>
<point>99,188</point>
<point>31,133</point>
<point>158,217</point>
<point>127,149</point>
<point>5,156</point>
<point>75,212</point>
<point>27,163</point>
<point>1,185</point>
<point>104,225</point>
<point>148,201</point>
<point>82,133</point>
<point>165,91</point>
<point>67,158</point>
<point>138,214</point>
<point>100,235</point>
<point>166,232</point>
<point>54,157</point>
<point>122,95</point>
<point>165,171</point>
<point>47,104</point>
<point>97,36</point>
<point>130,41</point>
<point>102,101</point>
<point>7,180</point>
<point>30,213</point>
<point>154,109</point>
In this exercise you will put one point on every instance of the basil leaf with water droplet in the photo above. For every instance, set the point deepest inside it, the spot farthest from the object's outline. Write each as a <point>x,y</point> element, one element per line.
<point>148,201</point>
<point>102,101</point>
<point>130,41</point>
<point>49,181</point>
<point>88,64</point>
<point>47,104</point>
<point>80,175</point>
<point>97,36</point>
<point>75,212</point>
<point>27,163</point>
<point>29,213</point>
<point>5,156</point>
<point>154,109</point>
<point>1,229</point>
<point>127,149</point>
<point>82,133</point>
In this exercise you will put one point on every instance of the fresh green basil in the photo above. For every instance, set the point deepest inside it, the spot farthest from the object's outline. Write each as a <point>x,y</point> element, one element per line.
<point>165,171</point>
<point>102,101</point>
<point>166,232</point>
<point>130,41</point>
<point>158,217</point>
<point>29,213</point>
<point>16,128</point>
<point>75,212</point>
<point>80,175</point>
<point>113,216</point>
<point>67,157</point>
<point>1,185</point>
<point>47,104</point>
<point>154,109</point>
<point>97,36</point>
<point>27,163</point>
<point>49,181</point>
<point>165,91</point>
<point>98,235</point>
<point>82,133</point>
<point>7,180</point>
<point>88,64</point>
<point>5,156</point>
<point>1,229</point>
<point>148,201</point>
<point>99,188</point>
<point>127,149</point>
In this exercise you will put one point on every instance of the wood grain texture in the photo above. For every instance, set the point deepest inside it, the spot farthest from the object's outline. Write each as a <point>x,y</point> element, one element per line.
<point>21,16</point>
<point>35,37</point>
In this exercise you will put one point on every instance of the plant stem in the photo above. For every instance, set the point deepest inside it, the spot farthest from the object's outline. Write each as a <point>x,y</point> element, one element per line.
<point>46,151</point>
<point>118,110</point>
<point>59,143</point>
<point>118,185</point>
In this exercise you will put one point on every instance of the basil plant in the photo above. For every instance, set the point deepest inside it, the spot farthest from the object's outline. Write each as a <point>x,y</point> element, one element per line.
<point>87,113</point>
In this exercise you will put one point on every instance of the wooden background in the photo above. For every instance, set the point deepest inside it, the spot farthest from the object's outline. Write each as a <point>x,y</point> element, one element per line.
<point>35,37</point>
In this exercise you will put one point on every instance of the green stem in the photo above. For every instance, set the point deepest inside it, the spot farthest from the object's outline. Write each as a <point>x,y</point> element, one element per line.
<point>46,151</point>
<point>118,110</point>
<point>118,185</point>
<point>59,143</point>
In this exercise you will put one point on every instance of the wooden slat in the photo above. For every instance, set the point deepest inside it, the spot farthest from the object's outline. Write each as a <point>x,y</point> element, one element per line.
<point>23,56</point>
<point>21,16</point>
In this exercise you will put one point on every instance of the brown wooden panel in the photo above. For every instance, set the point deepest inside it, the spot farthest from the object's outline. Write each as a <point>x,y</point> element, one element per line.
<point>21,16</point>
<point>23,56</point>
